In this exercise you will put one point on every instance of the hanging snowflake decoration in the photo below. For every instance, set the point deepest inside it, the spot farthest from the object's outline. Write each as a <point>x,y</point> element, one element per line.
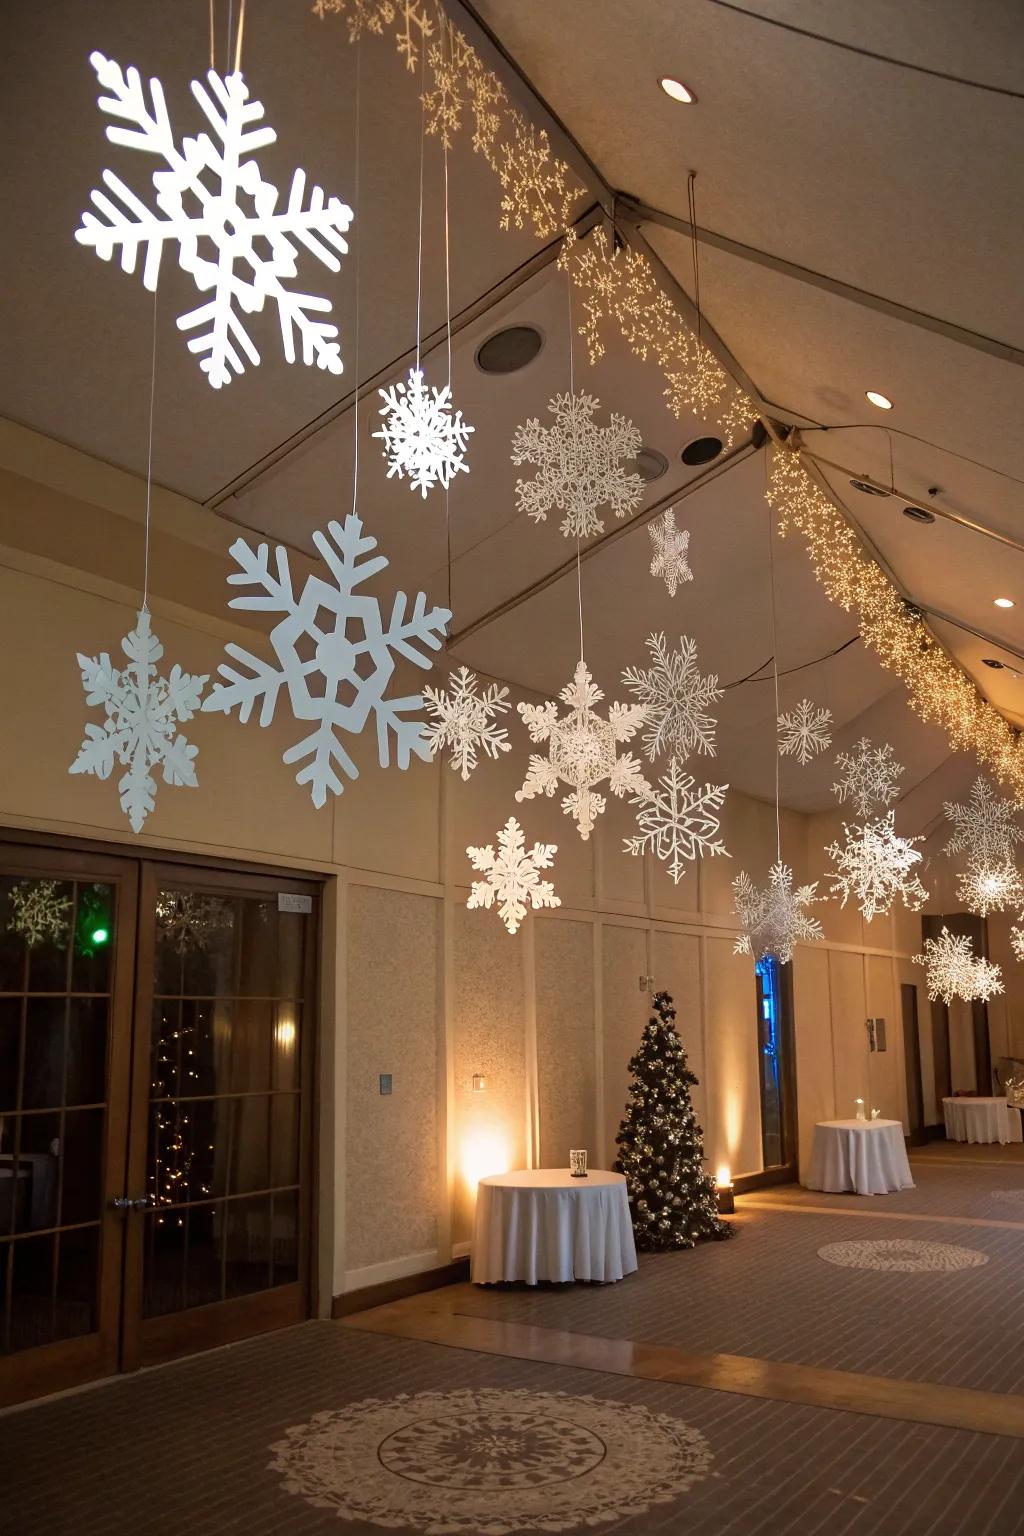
<point>670,548</point>
<point>424,440</point>
<point>677,821</point>
<point>804,732</point>
<point>869,776</point>
<point>985,828</point>
<point>985,888</point>
<point>873,865</point>
<point>140,729</point>
<point>188,921</point>
<point>39,912</point>
<point>511,876</point>
<point>675,699</point>
<point>578,466</point>
<point>211,196</point>
<point>952,970</point>
<point>464,720</point>
<point>1017,939</point>
<point>352,662</point>
<point>582,750</point>
<point>772,918</point>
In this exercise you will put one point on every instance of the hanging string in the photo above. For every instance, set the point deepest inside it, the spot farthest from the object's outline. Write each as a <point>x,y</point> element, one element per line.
<point>213,51</point>
<point>238,39</point>
<point>227,50</point>
<point>358,247</point>
<point>775,674</point>
<point>149,461</point>
<point>419,242</point>
<point>572,391</point>
<point>691,202</point>
<point>448,330</point>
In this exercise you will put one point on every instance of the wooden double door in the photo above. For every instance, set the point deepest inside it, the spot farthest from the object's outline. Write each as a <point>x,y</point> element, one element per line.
<point>157,1025</point>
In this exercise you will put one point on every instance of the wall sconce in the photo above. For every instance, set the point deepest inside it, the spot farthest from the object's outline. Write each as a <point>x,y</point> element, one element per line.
<point>479,1083</point>
<point>726,1193</point>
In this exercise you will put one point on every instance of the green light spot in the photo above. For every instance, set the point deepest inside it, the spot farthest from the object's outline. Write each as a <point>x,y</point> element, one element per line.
<point>100,935</point>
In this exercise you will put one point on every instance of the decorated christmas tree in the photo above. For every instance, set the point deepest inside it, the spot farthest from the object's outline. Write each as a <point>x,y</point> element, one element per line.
<point>661,1146</point>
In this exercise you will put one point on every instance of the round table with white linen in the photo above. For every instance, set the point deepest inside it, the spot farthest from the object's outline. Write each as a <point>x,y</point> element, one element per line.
<point>868,1157</point>
<point>980,1119</point>
<point>542,1224</point>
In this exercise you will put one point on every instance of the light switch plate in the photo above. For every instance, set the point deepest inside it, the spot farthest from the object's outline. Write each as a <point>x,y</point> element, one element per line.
<point>385,1082</point>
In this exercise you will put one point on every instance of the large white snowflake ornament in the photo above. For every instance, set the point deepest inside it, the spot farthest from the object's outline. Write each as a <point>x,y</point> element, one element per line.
<point>332,654</point>
<point>953,970</point>
<point>511,875</point>
<point>464,720</point>
<point>868,776</point>
<point>424,439</point>
<point>985,828</point>
<point>582,750</point>
<point>675,699</point>
<point>986,888</point>
<point>874,866</point>
<point>772,916</point>
<point>39,912</point>
<point>804,732</point>
<point>578,466</point>
<point>142,711</point>
<point>670,547</point>
<point>212,203</point>
<point>677,821</point>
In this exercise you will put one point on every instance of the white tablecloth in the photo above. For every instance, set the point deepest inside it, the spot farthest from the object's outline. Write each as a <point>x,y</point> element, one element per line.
<point>982,1120</point>
<point>868,1157</point>
<point>542,1224</point>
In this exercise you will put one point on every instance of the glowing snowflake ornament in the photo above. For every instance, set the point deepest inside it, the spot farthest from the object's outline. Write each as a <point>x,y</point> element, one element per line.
<point>804,732</point>
<point>874,866</point>
<point>1017,939</point>
<point>39,912</point>
<point>141,715</point>
<point>578,466</point>
<point>424,440</point>
<point>354,656</point>
<point>464,720</point>
<point>869,776</point>
<point>952,970</point>
<point>211,195</point>
<point>512,876</point>
<point>670,548</point>
<point>771,917</point>
<point>582,750</point>
<point>675,699</point>
<point>985,888</point>
<point>677,821</point>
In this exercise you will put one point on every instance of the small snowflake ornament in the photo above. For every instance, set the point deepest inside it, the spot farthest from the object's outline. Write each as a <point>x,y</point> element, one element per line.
<point>771,917</point>
<point>874,866</point>
<point>188,921</point>
<point>1017,939</point>
<point>804,732</point>
<point>675,698</point>
<point>512,876</point>
<point>344,681</point>
<point>39,913</point>
<point>985,888</point>
<point>211,203</point>
<point>578,466</point>
<point>464,720</point>
<point>868,776</point>
<point>952,970</point>
<point>670,548</point>
<point>582,751</point>
<point>142,711</point>
<point>677,821</point>
<point>424,439</point>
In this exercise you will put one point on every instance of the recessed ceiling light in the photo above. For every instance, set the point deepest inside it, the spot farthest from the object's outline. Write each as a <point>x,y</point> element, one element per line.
<point>918,515</point>
<point>990,661</point>
<point>1003,602</point>
<point>868,488</point>
<point>649,464</point>
<point>882,401</point>
<point>702,450</point>
<point>509,349</point>
<point>676,89</point>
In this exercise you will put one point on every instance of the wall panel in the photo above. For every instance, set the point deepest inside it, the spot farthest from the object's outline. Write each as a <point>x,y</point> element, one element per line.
<point>733,1063</point>
<point>625,1010</point>
<point>566,1066</point>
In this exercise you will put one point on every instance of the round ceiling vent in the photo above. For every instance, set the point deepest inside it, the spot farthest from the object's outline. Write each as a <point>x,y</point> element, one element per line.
<point>869,490</point>
<point>918,515</point>
<point>509,350</point>
<point>702,450</point>
<point>649,464</point>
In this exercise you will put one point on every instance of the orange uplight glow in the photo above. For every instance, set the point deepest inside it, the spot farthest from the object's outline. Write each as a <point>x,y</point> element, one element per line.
<point>483,1152</point>
<point>723,1177</point>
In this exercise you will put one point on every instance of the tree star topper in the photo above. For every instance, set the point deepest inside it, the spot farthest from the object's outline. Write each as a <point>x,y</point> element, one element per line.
<point>39,912</point>
<point>512,875</point>
<point>578,466</point>
<point>869,776</point>
<point>677,821</point>
<point>771,917</point>
<point>675,697</point>
<point>583,750</point>
<point>953,970</point>
<point>874,865</point>
<point>464,720</point>
<point>804,732</point>
<point>354,656</point>
<point>211,193</point>
<point>423,438</point>
<point>140,728</point>
<point>670,546</point>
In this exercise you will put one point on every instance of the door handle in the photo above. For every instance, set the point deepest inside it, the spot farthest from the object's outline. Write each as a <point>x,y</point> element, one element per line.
<point>124,1203</point>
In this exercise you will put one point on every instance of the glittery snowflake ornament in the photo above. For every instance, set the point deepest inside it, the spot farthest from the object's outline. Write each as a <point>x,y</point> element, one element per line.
<point>675,699</point>
<point>333,656</point>
<point>867,776</point>
<point>424,439</point>
<point>463,720</point>
<point>188,921</point>
<point>212,203</point>
<point>670,548</point>
<point>677,821</point>
<point>579,469</point>
<point>582,751</point>
<point>874,866</point>
<point>1017,939</point>
<point>39,913</point>
<point>804,732</point>
<point>985,828</point>
<point>953,970</point>
<point>985,888</point>
<point>142,711</point>
<point>771,916</point>
<point>512,875</point>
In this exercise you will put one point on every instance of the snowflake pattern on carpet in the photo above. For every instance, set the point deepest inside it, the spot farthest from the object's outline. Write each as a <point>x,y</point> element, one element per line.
<point>578,466</point>
<point>583,750</point>
<point>953,970</point>
<point>39,912</point>
<point>512,876</point>
<point>985,888</point>
<point>904,1255</point>
<point>804,732</point>
<point>675,699</point>
<point>424,439</point>
<point>772,916</point>
<point>142,711</point>
<point>354,656</point>
<point>677,821</point>
<point>873,865</point>
<point>464,720</point>
<point>868,776</point>
<point>670,550</point>
<point>210,193</point>
<point>187,921</point>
